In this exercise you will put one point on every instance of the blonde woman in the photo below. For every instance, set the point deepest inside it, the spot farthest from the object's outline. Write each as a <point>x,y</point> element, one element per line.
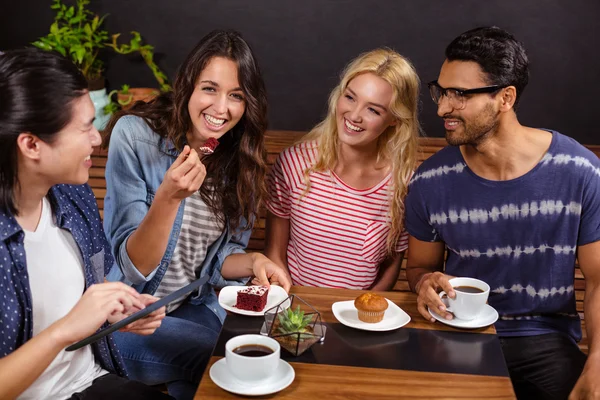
<point>336,199</point>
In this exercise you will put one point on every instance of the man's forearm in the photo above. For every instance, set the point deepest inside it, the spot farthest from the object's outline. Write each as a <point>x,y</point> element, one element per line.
<point>592,320</point>
<point>415,274</point>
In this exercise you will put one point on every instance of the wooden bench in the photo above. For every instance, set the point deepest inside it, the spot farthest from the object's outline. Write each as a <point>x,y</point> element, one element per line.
<point>276,141</point>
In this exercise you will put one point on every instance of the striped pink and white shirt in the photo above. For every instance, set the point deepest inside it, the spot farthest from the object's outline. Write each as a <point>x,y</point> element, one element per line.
<point>337,233</point>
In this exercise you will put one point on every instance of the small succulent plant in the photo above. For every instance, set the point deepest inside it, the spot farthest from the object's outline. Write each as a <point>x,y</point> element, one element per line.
<point>293,321</point>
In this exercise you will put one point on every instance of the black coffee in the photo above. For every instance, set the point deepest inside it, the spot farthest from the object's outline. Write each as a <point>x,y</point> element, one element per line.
<point>253,350</point>
<point>468,289</point>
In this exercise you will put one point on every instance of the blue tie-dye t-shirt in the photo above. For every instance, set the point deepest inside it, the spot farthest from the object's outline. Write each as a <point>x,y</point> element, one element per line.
<point>520,236</point>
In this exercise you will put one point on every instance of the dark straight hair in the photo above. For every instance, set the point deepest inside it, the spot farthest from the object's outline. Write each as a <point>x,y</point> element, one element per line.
<point>37,89</point>
<point>501,57</point>
<point>237,167</point>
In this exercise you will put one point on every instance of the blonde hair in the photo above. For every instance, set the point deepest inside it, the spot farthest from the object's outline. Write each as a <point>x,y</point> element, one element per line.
<point>398,143</point>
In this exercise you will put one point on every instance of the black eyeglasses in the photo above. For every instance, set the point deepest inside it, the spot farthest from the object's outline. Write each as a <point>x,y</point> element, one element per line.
<point>457,97</point>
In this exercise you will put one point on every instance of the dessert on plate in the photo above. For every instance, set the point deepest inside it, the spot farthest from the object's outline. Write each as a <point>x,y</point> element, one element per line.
<point>252,298</point>
<point>371,307</point>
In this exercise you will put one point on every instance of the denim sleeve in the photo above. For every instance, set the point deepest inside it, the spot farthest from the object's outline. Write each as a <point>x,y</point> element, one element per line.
<point>236,245</point>
<point>126,201</point>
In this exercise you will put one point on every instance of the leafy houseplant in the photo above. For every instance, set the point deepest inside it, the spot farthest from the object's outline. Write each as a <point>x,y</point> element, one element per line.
<point>295,324</point>
<point>77,33</point>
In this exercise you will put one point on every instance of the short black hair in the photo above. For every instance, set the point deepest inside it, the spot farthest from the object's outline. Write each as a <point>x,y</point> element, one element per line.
<point>37,89</point>
<point>498,53</point>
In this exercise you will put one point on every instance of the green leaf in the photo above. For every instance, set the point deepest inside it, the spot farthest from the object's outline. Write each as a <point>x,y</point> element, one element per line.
<point>61,50</point>
<point>41,45</point>
<point>87,29</point>
<point>80,54</point>
<point>70,12</point>
<point>54,28</point>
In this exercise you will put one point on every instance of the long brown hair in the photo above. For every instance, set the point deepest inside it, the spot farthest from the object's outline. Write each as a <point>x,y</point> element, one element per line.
<point>237,167</point>
<point>397,144</point>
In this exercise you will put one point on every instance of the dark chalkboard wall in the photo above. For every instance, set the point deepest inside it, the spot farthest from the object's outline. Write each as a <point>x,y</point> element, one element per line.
<point>302,45</point>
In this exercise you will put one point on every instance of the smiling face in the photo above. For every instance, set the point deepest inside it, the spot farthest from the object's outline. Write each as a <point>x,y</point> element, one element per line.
<point>480,117</point>
<point>217,103</point>
<point>67,159</point>
<point>362,111</point>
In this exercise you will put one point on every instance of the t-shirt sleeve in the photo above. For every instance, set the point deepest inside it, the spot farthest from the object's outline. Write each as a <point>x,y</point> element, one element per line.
<point>589,228</point>
<point>402,243</point>
<point>278,188</point>
<point>417,218</point>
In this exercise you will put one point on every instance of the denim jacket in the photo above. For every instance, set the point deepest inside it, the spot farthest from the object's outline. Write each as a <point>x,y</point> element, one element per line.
<point>75,210</point>
<point>138,159</point>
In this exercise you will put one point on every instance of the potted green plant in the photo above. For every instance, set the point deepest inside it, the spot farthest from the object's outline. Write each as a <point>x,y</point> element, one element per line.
<point>295,324</point>
<point>126,96</point>
<point>78,33</point>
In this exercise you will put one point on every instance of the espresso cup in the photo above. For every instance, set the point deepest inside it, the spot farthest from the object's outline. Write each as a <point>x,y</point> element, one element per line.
<point>471,297</point>
<point>252,369</point>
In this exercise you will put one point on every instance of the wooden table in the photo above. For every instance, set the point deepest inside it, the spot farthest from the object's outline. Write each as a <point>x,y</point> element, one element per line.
<point>422,360</point>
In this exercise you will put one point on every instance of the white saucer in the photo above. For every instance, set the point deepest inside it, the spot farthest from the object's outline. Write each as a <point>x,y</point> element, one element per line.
<point>488,316</point>
<point>346,313</point>
<point>283,377</point>
<point>228,298</point>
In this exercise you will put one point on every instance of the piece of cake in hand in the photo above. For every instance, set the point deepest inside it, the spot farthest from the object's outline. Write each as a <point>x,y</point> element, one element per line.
<point>209,146</point>
<point>371,307</point>
<point>253,298</point>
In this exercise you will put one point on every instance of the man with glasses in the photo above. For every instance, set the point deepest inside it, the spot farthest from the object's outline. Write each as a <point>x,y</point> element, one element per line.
<point>515,207</point>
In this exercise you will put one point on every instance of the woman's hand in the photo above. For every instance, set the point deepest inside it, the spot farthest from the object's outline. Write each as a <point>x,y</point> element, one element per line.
<point>143,326</point>
<point>94,308</point>
<point>184,177</point>
<point>267,273</point>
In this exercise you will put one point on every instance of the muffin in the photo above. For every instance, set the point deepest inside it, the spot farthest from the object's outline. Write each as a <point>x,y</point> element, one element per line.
<point>371,307</point>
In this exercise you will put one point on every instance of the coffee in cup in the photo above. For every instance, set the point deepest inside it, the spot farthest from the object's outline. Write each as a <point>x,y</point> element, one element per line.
<point>252,358</point>
<point>471,297</point>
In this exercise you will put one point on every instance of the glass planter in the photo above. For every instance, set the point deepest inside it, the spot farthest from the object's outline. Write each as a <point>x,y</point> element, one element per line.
<point>296,342</point>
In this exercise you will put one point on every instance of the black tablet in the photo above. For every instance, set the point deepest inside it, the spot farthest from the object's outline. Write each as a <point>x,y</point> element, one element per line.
<point>140,314</point>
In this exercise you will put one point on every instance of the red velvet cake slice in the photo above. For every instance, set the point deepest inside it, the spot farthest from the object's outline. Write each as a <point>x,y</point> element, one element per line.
<point>209,146</point>
<point>253,298</point>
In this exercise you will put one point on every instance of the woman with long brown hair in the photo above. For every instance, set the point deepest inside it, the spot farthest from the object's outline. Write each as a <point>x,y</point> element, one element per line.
<point>173,213</point>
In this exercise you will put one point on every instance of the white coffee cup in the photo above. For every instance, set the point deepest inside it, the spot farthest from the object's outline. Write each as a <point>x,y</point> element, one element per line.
<point>467,306</point>
<point>252,369</point>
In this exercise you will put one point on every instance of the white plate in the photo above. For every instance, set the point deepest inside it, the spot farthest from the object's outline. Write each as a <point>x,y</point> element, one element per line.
<point>283,377</point>
<point>488,316</point>
<point>394,317</point>
<point>228,298</point>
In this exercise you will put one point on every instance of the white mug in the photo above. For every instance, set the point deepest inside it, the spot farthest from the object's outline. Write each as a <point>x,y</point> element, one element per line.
<point>467,306</point>
<point>252,369</point>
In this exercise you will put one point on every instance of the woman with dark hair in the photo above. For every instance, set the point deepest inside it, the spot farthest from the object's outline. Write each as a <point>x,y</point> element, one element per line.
<point>173,214</point>
<point>52,246</point>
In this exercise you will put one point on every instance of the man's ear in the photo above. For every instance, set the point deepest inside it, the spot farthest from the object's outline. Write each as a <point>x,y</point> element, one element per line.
<point>29,146</point>
<point>508,98</point>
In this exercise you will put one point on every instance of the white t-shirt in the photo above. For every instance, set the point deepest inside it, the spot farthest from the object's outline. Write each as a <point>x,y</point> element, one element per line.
<point>57,282</point>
